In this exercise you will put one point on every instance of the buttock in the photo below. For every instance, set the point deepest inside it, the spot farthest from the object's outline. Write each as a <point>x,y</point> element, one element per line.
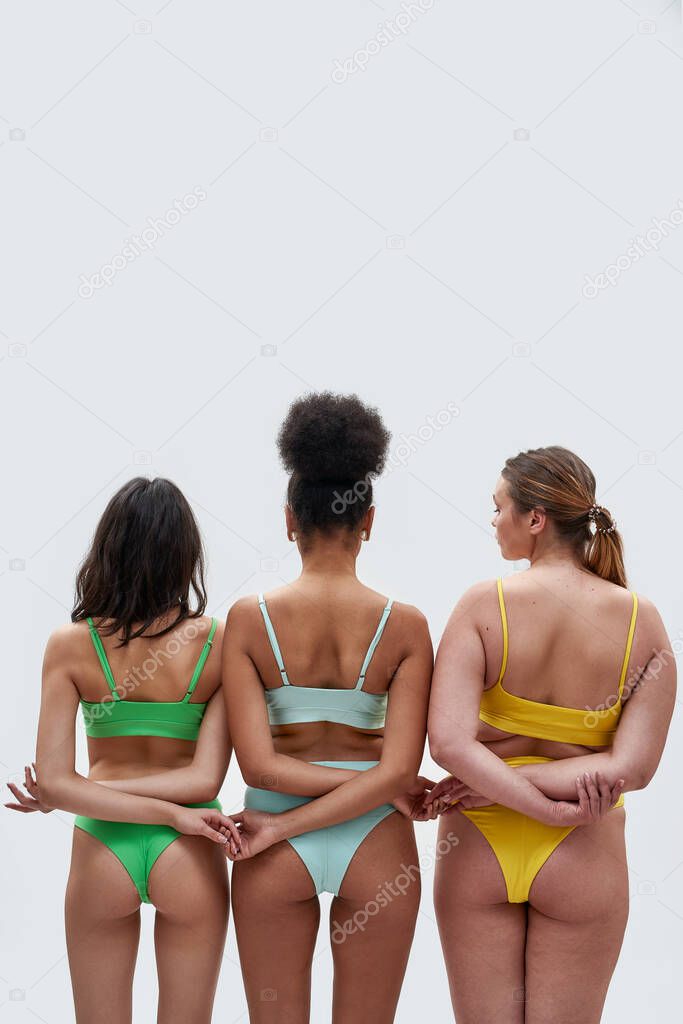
<point>325,852</point>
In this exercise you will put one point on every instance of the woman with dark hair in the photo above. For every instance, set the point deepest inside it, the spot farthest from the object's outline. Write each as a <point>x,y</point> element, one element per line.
<point>138,659</point>
<point>532,909</point>
<point>327,686</point>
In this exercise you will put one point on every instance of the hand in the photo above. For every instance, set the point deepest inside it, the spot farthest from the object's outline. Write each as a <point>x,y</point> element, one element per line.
<point>208,822</point>
<point>595,798</point>
<point>257,832</point>
<point>34,801</point>
<point>413,803</point>
<point>453,792</point>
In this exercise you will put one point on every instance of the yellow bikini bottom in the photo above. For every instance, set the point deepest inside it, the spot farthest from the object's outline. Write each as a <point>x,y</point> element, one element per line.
<point>521,844</point>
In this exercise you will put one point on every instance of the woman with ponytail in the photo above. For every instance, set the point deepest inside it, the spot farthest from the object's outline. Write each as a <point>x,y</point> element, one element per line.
<point>552,695</point>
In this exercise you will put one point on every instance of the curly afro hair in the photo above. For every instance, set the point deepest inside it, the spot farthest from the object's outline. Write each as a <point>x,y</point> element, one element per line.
<point>333,446</point>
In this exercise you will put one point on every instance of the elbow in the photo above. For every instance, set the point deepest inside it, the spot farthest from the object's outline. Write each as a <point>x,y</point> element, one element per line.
<point>51,792</point>
<point>206,790</point>
<point>639,778</point>
<point>443,753</point>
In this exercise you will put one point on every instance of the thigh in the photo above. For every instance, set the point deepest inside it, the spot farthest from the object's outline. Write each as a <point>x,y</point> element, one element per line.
<point>577,919</point>
<point>102,912</point>
<point>277,914</point>
<point>372,922</point>
<point>188,885</point>
<point>482,935</point>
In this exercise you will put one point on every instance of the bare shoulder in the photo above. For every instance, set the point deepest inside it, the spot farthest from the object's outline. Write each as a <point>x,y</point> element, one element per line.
<point>67,642</point>
<point>477,602</point>
<point>242,614</point>
<point>650,628</point>
<point>409,617</point>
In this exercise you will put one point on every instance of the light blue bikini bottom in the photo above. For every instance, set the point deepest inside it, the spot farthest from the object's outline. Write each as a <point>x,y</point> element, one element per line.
<point>326,852</point>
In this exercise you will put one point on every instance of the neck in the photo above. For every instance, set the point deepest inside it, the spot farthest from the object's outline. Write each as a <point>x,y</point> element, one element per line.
<point>328,559</point>
<point>551,554</point>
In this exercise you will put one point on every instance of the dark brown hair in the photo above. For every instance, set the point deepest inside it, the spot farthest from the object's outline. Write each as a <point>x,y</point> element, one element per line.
<point>145,560</point>
<point>561,483</point>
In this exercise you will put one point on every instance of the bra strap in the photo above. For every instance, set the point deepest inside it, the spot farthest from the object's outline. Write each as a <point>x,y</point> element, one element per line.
<point>373,644</point>
<point>273,640</point>
<point>629,642</point>
<point>504,623</point>
<point>101,654</point>
<point>206,650</point>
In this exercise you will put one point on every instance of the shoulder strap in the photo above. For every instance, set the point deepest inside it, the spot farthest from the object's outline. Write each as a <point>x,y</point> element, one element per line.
<point>273,640</point>
<point>373,644</point>
<point>101,654</point>
<point>504,622</point>
<point>206,649</point>
<point>629,642</point>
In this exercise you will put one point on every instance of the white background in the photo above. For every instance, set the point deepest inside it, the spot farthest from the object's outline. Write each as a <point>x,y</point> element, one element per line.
<point>420,234</point>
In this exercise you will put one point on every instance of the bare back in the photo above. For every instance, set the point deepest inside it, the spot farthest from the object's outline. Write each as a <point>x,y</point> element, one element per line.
<point>568,633</point>
<point>146,669</point>
<point>324,632</point>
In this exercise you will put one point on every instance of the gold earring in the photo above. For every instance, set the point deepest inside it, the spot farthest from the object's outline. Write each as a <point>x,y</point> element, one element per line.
<point>363,534</point>
<point>292,535</point>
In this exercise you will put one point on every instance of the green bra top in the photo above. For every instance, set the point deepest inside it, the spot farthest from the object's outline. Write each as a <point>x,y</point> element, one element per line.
<point>115,716</point>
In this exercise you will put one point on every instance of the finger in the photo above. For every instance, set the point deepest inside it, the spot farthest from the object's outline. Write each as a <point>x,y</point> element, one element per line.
<point>604,791</point>
<point>21,808</point>
<point>230,829</point>
<point>213,835</point>
<point>16,792</point>
<point>593,795</point>
<point>584,802</point>
<point>617,791</point>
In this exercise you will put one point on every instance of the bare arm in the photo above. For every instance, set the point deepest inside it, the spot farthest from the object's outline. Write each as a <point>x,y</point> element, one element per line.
<point>261,766</point>
<point>643,725</point>
<point>199,781</point>
<point>459,676</point>
<point>402,748</point>
<point>55,760</point>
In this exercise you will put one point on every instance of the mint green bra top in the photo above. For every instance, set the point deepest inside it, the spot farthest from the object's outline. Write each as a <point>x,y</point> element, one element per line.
<point>115,716</point>
<point>288,704</point>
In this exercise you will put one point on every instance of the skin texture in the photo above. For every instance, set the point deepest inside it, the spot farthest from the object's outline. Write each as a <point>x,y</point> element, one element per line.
<point>550,959</point>
<point>188,884</point>
<point>324,622</point>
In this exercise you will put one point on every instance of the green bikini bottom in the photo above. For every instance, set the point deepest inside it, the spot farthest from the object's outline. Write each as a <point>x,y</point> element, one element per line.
<point>138,847</point>
<point>326,852</point>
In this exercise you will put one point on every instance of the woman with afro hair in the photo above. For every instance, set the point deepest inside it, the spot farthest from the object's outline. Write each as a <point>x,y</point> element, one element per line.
<point>327,688</point>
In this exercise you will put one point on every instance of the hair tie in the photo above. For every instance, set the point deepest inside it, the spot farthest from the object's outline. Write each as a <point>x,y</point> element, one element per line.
<point>598,510</point>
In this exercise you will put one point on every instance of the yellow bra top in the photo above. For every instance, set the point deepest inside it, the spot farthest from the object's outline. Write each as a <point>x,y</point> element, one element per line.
<point>586,726</point>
